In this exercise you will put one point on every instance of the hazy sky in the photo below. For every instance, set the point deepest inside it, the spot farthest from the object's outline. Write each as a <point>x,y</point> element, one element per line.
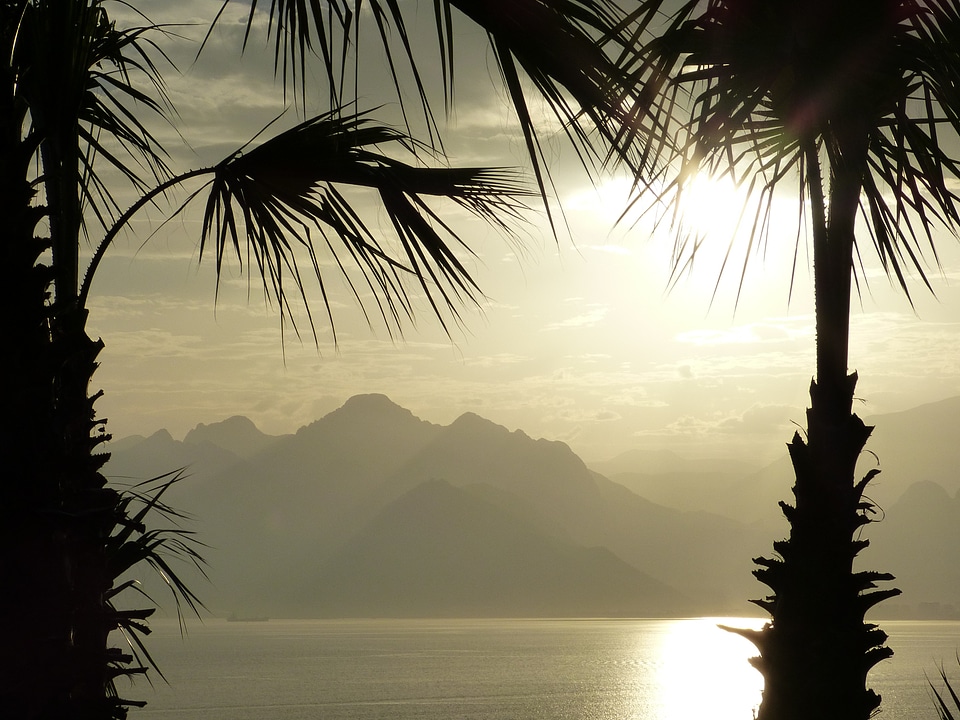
<point>579,341</point>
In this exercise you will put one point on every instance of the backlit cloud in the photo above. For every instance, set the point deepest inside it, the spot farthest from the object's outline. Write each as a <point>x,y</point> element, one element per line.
<point>773,331</point>
<point>589,318</point>
<point>762,419</point>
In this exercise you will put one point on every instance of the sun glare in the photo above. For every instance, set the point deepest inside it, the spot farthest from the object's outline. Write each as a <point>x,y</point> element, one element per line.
<point>714,206</point>
<point>707,204</point>
<point>704,673</point>
<point>719,243</point>
<point>707,207</point>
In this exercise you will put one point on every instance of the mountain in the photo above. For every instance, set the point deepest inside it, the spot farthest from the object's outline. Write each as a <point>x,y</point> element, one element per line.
<point>373,511</point>
<point>917,495</point>
<point>910,446</point>
<point>749,497</point>
<point>237,435</point>
<point>292,528</point>
<point>660,462</point>
<point>701,554</point>
<point>138,458</point>
<point>915,445</point>
<point>440,550</point>
<point>917,540</point>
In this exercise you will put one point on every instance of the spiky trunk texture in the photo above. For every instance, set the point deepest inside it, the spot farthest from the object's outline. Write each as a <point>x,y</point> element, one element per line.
<point>817,650</point>
<point>56,514</point>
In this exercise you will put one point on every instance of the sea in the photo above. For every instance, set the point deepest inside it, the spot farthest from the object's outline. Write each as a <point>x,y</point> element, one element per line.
<point>523,669</point>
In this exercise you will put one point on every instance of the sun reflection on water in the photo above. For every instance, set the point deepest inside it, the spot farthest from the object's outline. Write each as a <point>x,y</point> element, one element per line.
<point>703,671</point>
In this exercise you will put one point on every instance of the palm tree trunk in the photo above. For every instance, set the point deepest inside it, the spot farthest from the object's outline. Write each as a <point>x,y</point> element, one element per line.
<point>55,512</point>
<point>30,653</point>
<point>817,650</point>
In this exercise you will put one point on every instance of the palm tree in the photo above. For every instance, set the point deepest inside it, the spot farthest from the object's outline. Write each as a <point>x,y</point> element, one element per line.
<point>854,105</point>
<point>78,98</point>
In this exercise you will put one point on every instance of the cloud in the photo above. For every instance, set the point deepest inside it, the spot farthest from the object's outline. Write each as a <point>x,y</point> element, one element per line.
<point>590,318</point>
<point>768,331</point>
<point>686,425</point>
<point>592,359</point>
<point>606,416</point>
<point>632,395</point>
<point>762,419</point>
<point>155,344</point>
<point>609,249</point>
<point>573,414</point>
<point>497,360</point>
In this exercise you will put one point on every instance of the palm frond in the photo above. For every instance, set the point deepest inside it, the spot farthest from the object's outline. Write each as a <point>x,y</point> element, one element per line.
<point>93,85</point>
<point>567,51</point>
<point>737,86</point>
<point>161,549</point>
<point>286,193</point>
<point>570,51</point>
<point>135,543</point>
<point>122,61</point>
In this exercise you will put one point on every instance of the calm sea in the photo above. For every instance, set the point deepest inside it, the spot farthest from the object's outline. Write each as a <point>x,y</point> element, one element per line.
<point>494,670</point>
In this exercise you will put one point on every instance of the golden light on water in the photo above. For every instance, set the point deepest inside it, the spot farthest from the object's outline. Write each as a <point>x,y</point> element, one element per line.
<point>704,671</point>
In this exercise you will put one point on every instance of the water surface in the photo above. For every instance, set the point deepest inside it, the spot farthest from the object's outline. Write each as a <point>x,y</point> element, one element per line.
<point>493,669</point>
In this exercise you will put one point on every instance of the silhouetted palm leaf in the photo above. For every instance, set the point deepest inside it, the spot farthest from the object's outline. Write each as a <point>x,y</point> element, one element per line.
<point>160,548</point>
<point>567,49</point>
<point>285,193</point>
<point>118,56</point>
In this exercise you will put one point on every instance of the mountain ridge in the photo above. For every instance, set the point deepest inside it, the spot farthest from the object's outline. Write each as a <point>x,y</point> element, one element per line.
<point>298,505</point>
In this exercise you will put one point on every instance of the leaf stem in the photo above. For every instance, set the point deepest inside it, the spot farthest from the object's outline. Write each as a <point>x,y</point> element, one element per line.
<point>123,220</point>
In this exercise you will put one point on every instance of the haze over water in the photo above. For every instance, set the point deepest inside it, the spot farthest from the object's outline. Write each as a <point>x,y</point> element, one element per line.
<point>495,669</point>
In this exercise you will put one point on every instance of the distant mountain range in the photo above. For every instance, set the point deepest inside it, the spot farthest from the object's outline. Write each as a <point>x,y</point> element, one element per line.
<point>371,511</point>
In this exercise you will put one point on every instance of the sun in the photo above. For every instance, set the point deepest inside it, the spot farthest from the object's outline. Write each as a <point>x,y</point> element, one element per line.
<point>714,206</point>
<point>704,205</point>
<point>710,221</point>
<point>719,226</point>
<point>713,235</point>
